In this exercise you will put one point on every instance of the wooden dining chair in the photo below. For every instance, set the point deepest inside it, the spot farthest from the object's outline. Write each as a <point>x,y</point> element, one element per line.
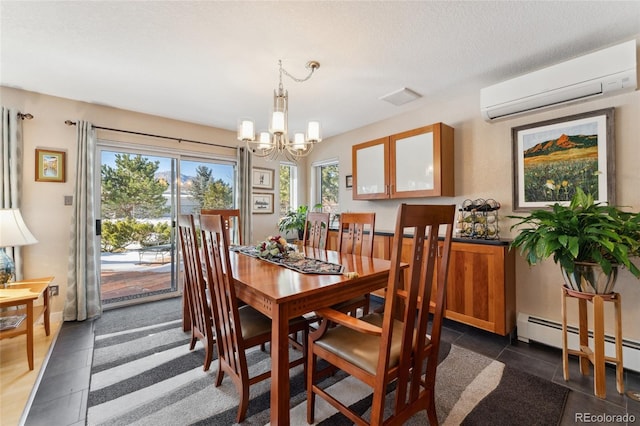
<point>355,236</point>
<point>237,328</point>
<point>195,293</point>
<point>381,348</point>
<point>232,223</point>
<point>316,230</point>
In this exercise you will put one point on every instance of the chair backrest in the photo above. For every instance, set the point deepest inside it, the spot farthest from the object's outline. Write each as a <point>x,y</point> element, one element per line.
<point>193,278</point>
<point>316,230</point>
<point>355,233</point>
<point>424,222</point>
<point>232,223</point>
<point>224,304</point>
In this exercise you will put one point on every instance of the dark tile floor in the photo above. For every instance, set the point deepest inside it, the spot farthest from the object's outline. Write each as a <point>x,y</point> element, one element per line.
<point>62,395</point>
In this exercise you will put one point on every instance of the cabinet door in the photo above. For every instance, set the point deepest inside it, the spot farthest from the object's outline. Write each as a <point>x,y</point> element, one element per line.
<point>370,161</point>
<point>480,288</point>
<point>421,162</point>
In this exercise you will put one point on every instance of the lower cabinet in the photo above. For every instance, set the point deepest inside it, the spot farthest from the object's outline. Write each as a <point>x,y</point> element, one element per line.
<point>481,286</point>
<point>481,289</point>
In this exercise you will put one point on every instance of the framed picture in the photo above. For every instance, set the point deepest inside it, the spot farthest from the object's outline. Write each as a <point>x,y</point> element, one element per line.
<point>261,203</point>
<point>50,165</point>
<point>552,158</point>
<point>262,178</point>
<point>349,181</point>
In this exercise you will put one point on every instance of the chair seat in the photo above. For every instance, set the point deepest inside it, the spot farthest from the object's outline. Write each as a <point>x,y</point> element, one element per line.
<point>361,349</point>
<point>255,323</point>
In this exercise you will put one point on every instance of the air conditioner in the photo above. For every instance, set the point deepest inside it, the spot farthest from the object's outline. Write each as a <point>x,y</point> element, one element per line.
<point>602,73</point>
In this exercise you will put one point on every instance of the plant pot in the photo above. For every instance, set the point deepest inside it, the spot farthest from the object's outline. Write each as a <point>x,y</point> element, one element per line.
<point>590,278</point>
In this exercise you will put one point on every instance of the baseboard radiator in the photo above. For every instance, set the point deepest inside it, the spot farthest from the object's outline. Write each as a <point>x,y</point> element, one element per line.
<point>532,328</point>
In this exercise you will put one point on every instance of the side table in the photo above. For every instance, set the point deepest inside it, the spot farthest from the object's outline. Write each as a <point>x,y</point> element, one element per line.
<point>24,293</point>
<point>585,353</point>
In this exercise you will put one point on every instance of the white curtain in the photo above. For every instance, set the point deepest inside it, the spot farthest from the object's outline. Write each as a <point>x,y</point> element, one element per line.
<point>83,292</point>
<point>243,192</point>
<point>11,172</point>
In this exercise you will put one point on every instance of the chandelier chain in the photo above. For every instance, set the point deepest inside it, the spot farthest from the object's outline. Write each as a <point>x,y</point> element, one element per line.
<point>311,65</point>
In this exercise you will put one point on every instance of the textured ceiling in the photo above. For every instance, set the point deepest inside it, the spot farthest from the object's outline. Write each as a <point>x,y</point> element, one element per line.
<point>212,62</point>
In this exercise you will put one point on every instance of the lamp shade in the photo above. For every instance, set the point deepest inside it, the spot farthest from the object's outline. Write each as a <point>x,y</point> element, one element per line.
<point>13,230</point>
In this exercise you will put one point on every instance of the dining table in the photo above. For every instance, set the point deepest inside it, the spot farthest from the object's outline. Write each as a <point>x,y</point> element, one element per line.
<point>282,293</point>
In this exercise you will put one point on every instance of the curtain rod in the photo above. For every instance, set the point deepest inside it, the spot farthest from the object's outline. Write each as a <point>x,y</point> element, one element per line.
<point>73,123</point>
<point>25,116</point>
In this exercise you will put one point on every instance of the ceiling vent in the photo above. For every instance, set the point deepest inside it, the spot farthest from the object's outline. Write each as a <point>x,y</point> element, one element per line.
<point>603,73</point>
<point>401,96</point>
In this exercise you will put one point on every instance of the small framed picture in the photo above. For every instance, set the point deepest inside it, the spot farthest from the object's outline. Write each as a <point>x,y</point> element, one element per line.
<point>262,203</point>
<point>262,178</point>
<point>349,181</point>
<point>50,165</point>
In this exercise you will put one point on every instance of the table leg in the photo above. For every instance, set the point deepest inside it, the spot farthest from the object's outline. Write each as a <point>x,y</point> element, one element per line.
<point>280,366</point>
<point>29,320</point>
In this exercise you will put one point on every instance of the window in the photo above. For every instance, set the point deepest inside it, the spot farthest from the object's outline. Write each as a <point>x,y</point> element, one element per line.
<point>288,188</point>
<point>327,185</point>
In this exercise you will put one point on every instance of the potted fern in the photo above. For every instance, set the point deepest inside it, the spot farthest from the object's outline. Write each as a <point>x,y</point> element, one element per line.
<point>589,240</point>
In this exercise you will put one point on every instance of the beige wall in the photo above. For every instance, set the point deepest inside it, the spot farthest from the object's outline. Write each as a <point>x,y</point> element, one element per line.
<point>483,170</point>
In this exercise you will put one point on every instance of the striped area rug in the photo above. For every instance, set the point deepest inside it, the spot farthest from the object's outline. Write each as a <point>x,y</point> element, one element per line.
<point>146,375</point>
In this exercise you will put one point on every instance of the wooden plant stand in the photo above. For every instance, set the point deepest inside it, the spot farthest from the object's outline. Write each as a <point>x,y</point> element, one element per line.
<point>585,353</point>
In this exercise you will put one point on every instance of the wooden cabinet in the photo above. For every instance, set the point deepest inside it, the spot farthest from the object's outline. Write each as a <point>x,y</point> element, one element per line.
<point>481,285</point>
<point>415,163</point>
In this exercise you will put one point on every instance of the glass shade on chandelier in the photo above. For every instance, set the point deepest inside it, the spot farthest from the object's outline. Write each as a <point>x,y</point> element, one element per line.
<point>277,140</point>
<point>13,233</point>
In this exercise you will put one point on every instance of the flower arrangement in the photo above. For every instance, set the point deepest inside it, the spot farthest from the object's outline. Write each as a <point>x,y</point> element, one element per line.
<point>273,246</point>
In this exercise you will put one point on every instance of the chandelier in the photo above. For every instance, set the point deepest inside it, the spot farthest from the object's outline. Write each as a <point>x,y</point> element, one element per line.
<point>276,141</point>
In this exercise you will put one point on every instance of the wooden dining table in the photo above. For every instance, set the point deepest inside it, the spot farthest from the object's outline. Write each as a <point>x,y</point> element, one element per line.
<point>282,293</point>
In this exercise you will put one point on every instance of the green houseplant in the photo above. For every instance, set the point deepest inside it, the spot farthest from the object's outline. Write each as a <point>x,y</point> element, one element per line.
<point>585,238</point>
<point>295,220</point>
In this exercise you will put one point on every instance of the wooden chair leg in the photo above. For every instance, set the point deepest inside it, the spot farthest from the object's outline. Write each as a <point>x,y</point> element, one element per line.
<point>431,411</point>
<point>244,400</point>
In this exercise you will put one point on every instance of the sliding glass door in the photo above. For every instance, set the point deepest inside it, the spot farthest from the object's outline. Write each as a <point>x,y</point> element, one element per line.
<point>137,244</point>
<point>140,195</point>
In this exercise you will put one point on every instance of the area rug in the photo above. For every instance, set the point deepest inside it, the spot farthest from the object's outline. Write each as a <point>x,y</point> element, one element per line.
<point>144,374</point>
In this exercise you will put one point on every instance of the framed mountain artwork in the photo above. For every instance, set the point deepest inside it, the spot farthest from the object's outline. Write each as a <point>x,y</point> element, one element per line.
<point>552,158</point>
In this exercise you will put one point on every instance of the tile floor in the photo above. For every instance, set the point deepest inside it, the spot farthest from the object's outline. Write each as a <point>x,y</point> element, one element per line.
<point>61,397</point>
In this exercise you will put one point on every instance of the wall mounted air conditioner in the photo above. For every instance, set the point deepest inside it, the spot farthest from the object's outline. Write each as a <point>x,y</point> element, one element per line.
<point>602,73</point>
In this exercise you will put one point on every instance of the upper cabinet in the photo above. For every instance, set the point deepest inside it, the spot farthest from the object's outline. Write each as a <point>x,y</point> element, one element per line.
<point>415,163</point>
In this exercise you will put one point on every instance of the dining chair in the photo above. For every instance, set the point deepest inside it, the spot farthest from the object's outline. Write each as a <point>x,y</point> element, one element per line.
<point>355,236</point>
<point>316,230</point>
<point>237,328</point>
<point>195,294</point>
<point>381,348</point>
<point>232,222</point>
